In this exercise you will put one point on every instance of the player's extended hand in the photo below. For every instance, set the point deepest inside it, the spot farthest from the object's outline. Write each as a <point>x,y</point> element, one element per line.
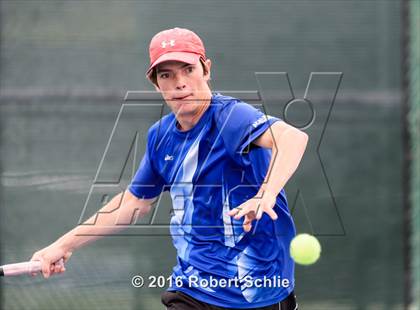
<point>50,257</point>
<point>254,208</point>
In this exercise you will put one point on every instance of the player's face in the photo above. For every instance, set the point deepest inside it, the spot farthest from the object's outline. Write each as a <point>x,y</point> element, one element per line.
<point>184,86</point>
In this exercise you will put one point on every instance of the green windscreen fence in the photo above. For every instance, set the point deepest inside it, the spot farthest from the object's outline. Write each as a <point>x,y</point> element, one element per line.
<point>65,67</point>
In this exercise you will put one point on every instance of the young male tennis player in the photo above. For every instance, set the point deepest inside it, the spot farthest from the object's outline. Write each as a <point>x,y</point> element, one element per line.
<point>225,164</point>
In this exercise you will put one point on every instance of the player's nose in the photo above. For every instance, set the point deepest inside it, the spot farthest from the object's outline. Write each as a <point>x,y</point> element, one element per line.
<point>180,83</point>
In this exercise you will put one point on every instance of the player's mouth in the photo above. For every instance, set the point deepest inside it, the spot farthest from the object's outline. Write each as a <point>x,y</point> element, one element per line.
<point>182,97</point>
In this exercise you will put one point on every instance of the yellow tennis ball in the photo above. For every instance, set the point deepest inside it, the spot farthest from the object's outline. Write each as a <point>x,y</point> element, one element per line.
<point>305,249</point>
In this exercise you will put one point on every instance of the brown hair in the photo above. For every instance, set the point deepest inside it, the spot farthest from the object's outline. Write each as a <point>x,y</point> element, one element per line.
<point>153,75</point>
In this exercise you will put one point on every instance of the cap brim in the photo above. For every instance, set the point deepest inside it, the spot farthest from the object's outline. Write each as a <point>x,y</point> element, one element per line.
<point>189,58</point>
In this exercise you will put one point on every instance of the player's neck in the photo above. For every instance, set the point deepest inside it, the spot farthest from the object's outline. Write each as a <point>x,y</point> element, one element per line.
<point>189,121</point>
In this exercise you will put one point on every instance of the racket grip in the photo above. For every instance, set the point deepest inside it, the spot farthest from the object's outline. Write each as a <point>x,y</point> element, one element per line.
<point>24,268</point>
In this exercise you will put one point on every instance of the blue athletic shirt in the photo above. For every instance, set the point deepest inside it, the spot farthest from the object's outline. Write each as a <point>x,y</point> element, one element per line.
<point>209,170</point>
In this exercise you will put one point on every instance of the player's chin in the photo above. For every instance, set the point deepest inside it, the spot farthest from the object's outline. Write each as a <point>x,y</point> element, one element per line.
<point>178,105</point>
<point>185,103</point>
<point>185,108</point>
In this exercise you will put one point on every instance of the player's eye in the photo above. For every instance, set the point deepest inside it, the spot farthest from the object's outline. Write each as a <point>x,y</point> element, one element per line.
<point>163,75</point>
<point>190,69</point>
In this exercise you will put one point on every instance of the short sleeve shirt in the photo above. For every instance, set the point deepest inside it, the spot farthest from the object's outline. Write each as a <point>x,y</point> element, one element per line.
<point>209,170</point>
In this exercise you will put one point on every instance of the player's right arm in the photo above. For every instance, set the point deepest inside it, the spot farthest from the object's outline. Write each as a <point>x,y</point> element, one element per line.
<point>107,221</point>
<point>146,185</point>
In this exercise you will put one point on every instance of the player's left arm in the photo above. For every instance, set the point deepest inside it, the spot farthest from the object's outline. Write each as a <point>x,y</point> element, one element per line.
<point>288,145</point>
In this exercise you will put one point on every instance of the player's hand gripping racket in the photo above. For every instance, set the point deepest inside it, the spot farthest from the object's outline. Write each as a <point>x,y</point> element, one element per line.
<point>23,268</point>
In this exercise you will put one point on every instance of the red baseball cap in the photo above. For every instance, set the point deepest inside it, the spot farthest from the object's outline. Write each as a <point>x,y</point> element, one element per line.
<point>178,44</point>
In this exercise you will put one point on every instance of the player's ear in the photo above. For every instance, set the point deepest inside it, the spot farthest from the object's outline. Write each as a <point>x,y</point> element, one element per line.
<point>207,71</point>
<point>152,77</point>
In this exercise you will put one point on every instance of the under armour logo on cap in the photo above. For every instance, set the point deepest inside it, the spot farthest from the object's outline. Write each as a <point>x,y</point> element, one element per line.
<point>171,43</point>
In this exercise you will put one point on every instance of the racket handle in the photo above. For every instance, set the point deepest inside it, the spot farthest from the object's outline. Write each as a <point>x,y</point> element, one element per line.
<point>22,268</point>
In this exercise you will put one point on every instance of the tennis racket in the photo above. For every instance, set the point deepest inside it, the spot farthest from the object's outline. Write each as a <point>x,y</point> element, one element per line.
<point>22,268</point>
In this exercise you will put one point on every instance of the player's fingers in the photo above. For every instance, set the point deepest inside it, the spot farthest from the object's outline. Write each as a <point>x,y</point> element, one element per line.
<point>233,212</point>
<point>52,270</point>
<point>241,213</point>
<point>272,213</point>
<point>248,219</point>
<point>259,212</point>
<point>57,268</point>
<point>46,269</point>
<point>245,208</point>
<point>247,224</point>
